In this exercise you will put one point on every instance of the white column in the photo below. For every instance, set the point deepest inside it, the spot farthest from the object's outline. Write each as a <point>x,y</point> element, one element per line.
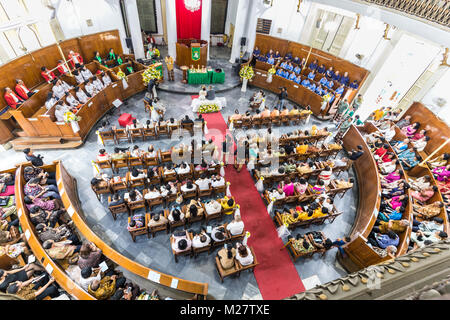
<point>239,29</point>
<point>135,28</point>
<point>171,22</point>
<point>206,22</point>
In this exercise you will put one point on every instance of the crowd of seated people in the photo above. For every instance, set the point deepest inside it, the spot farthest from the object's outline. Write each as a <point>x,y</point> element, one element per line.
<point>296,66</point>
<point>310,243</point>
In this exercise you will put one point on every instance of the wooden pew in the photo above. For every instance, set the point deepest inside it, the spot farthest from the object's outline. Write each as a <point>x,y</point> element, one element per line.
<point>70,199</point>
<point>53,268</point>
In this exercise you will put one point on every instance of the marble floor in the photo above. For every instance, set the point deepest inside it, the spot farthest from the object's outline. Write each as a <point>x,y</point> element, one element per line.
<point>155,252</point>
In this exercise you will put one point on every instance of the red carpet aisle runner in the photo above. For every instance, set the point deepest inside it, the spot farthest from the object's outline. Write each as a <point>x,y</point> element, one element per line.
<point>276,274</point>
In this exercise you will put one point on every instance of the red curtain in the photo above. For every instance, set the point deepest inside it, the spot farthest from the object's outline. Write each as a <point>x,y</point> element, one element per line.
<point>189,24</point>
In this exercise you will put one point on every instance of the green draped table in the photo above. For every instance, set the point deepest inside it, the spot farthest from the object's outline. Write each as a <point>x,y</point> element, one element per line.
<point>207,77</point>
<point>198,77</point>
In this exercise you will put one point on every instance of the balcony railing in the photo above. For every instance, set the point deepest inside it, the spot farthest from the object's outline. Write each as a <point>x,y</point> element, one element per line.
<point>437,11</point>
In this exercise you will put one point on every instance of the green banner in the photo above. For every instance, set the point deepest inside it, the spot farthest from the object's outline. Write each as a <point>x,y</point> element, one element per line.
<point>195,51</point>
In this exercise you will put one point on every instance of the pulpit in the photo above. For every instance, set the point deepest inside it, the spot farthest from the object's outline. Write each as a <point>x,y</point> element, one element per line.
<point>192,52</point>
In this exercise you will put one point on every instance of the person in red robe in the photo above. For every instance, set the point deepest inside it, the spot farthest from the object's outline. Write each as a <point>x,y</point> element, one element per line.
<point>22,90</point>
<point>48,75</point>
<point>62,67</point>
<point>12,99</point>
<point>75,59</point>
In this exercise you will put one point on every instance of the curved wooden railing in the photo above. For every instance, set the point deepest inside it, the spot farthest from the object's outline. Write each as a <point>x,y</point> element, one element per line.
<point>405,236</point>
<point>358,253</point>
<point>39,252</point>
<point>69,196</point>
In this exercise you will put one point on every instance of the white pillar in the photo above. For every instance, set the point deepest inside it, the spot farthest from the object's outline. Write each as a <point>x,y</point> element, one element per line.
<point>206,22</point>
<point>239,29</point>
<point>135,28</point>
<point>171,22</point>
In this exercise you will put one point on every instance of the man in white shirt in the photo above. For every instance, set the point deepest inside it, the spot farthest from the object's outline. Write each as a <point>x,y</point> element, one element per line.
<point>188,186</point>
<point>51,100</point>
<point>388,167</point>
<point>201,240</point>
<point>78,76</point>
<point>98,84</point>
<point>243,254</point>
<point>60,110</point>
<point>106,79</point>
<point>181,242</point>
<point>87,277</point>
<point>218,234</point>
<point>58,89</point>
<point>90,88</point>
<point>212,207</point>
<point>183,168</point>
<point>86,73</point>
<point>218,181</point>
<point>81,95</point>
<point>203,182</point>
<point>152,193</point>
<point>70,99</point>
<point>236,226</point>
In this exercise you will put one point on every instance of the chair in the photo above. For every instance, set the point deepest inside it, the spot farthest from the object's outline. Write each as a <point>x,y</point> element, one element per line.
<point>250,266</point>
<point>152,202</point>
<point>196,251</point>
<point>246,122</point>
<point>135,205</point>
<point>102,188</point>
<point>205,193</point>
<point>189,194</point>
<point>156,179</point>
<point>208,217</point>
<point>294,118</point>
<point>119,163</point>
<point>256,122</point>
<point>168,176</point>
<point>183,253</point>
<point>136,133</point>
<point>134,183</point>
<point>118,185</point>
<point>135,162</point>
<point>149,133</point>
<point>175,224</point>
<point>186,176</point>
<point>174,128</point>
<point>166,156</point>
<point>223,273</point>
<point>104,164</point>
<point>161,227</point>
<point>219,190</point>
<point>107,135</point>
<point>139,231</point>
<point>150,161</point>
<point>190,219</point>
<point>276,121</point>
<point>117,209</point>
<point>121,134</point>
<point>266,121</point>
<point>188,126</point>
<point>162,129</point>
<point>237,237</point>
<point>285,120</point>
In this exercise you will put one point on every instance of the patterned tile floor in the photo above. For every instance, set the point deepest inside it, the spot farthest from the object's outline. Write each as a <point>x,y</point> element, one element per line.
<point>155,252</point>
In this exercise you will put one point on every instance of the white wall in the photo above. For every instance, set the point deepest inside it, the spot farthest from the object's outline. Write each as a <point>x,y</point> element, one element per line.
<point>439,91</point>
<point>284,15</point>
<point>105,15</point>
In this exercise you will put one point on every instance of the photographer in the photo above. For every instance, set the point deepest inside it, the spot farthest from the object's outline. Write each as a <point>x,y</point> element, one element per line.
<point>282,96</point>
<point>36,160</point>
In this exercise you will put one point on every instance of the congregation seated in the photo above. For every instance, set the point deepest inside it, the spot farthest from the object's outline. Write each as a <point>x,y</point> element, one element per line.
<point>244,254</point>
<point>181,242</point>
<point>227,256</point>
<point>201,240</point>
<point>236,226</point>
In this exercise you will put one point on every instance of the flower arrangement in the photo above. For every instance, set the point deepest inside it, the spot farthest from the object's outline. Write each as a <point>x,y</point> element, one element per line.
<point>208,108</point>
<point>71,117</point>
<point>150,73</point>
<point>246,72</point>
<point>271,70</point>
<point>121,75</point>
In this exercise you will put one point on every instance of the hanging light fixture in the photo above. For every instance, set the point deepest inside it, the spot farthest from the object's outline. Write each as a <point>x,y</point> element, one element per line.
<point>192,5</point>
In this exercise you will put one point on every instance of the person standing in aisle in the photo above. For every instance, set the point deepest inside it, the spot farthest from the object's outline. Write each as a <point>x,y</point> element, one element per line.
<point>169,64</point>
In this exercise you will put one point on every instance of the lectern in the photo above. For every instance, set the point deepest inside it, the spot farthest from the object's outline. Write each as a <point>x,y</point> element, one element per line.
<point>192,52</point>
